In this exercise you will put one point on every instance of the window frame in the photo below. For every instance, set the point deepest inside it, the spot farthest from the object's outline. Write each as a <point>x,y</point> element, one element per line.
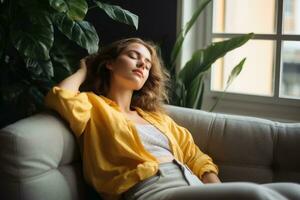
<point>274,107</point>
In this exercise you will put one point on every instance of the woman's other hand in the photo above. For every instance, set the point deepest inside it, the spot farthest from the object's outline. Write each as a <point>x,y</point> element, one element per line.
<point>210,177</point>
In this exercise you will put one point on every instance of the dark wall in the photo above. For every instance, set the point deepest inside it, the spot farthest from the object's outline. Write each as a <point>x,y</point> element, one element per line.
<point>157,22</point>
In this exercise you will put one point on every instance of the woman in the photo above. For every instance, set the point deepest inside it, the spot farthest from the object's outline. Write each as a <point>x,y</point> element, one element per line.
<point>130,148</point>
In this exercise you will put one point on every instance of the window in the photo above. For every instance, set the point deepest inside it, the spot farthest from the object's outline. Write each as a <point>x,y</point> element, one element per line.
<point>269,85</point>
<point>276,45</point>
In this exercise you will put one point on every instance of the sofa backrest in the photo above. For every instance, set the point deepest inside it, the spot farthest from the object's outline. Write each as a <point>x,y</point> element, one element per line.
<point>245,148</point>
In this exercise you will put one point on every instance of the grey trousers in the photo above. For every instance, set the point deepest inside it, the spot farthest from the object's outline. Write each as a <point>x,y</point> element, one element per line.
<point>175,181</point>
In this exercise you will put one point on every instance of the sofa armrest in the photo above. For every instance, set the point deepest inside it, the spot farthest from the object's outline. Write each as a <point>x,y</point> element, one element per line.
<point>39,160</point>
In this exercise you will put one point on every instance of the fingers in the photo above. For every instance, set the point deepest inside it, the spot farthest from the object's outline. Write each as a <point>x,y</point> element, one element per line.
<point>82,63</point>
<point>88,60</point>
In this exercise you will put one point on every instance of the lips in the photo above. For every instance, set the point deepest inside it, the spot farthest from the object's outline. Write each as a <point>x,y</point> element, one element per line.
<point>138,72</point>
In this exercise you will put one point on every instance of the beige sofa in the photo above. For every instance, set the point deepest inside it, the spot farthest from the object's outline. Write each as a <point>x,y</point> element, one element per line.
<point>39,157</point>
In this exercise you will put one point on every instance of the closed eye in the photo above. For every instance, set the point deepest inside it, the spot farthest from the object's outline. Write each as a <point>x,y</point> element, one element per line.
<point>136,55</point>
<point>133,55</point>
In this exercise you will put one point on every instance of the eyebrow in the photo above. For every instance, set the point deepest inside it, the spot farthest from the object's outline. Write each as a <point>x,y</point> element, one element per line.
<point>147,59</point>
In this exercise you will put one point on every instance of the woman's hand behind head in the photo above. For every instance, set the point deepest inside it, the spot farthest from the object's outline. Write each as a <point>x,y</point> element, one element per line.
<point>87,65</point>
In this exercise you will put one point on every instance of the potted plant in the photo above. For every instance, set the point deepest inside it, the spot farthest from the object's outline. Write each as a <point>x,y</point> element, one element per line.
<point>40,43</point>
<point>187,85</point>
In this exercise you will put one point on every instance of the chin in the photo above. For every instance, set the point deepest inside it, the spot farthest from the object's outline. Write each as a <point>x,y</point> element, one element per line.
<point>138,88</point>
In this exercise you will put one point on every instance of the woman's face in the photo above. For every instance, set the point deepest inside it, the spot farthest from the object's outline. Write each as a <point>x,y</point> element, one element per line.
<point>131,68</point>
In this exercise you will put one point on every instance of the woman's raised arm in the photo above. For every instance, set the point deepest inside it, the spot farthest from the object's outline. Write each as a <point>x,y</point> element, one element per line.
<point>74,81</point>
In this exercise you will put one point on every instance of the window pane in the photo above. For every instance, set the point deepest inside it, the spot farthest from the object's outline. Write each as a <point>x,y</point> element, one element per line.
<point>257,75</point>
<point>244,16</point>
<point>290,79</point>
<point>291,16</point>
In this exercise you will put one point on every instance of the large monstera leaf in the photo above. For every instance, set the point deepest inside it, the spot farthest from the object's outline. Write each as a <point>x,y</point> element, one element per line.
<point>81,32</point>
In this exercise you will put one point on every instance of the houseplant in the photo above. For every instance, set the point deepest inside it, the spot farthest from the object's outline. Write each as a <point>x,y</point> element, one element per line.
<point>188,83</point>
<point>40,43</point>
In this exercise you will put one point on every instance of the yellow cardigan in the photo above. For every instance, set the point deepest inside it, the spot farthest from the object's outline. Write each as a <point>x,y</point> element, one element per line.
<point>113,156</point>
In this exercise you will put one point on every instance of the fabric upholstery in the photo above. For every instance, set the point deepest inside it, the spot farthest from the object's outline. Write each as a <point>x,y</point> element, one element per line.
<point>245,148</point>
<point>40,159</point>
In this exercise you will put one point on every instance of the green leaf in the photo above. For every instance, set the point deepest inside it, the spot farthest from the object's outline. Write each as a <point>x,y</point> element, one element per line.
<point>119,14</point>
<point>180,93</point>
<point>179,41</point>
<point>199,105</point>
<point>194,65</point>
<point>59,5</point>
<point>32,40</point>
<point>81,32</point>
<point>40,17</point>
<point>194,92</point>
<point>61,58</point>
<point>177,92</point>
<point>39,68</point>
<point>203,59</point>
<point>75,9</point>
<point>233,74</point>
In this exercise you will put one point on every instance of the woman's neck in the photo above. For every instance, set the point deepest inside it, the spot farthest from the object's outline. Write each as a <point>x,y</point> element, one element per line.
<point>122,98</point>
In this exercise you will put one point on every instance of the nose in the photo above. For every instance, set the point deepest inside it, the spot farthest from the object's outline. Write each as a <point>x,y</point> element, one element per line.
<point>141,63</point>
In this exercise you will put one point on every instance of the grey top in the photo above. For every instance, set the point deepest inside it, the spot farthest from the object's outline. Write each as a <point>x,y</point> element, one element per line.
<point>154,140</point>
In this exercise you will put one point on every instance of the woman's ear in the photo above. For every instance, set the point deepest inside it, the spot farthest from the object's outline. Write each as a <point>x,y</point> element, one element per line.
<point>109,65</point>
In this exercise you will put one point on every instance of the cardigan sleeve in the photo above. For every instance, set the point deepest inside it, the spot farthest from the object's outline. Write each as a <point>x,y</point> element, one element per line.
<point>196,160</point>
<point>74,107</point>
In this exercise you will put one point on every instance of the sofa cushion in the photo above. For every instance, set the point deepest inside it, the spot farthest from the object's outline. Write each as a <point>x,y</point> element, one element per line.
<point>245,148</point>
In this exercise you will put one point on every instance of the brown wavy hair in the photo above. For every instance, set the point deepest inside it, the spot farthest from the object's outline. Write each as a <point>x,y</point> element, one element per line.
<point>151,96</point>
